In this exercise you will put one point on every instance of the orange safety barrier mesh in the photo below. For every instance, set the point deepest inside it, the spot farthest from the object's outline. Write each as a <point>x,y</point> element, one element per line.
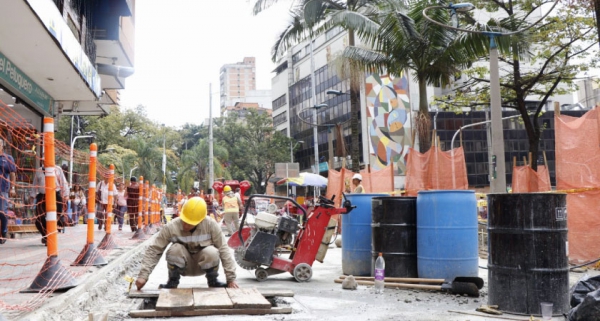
<point>435,169</point>
<point>577,166</point>
<point>381,181</point>
<point>23,255</point>
<point>526,180</point>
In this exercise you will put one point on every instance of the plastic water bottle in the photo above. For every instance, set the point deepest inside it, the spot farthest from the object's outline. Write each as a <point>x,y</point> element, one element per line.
<point>379,274</point>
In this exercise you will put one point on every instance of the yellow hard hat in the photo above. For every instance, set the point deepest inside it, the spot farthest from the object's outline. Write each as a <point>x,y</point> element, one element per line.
<point>227,189</point>
<point>194,211</point>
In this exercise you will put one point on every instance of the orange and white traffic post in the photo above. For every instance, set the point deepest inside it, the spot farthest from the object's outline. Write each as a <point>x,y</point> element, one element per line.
<point>53,276</point>
<point>90,254</point>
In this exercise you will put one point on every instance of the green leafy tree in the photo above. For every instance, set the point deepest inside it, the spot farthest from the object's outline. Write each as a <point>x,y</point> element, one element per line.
<point>545,61</point>
<point>254,147</point>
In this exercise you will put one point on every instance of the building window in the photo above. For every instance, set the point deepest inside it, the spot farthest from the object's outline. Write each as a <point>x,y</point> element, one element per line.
<point>280,119</point>
<point>279,102</point>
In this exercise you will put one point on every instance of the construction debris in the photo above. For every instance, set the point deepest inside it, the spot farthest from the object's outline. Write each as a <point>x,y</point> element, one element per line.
<point>349,283</point>
<point>489,309</point>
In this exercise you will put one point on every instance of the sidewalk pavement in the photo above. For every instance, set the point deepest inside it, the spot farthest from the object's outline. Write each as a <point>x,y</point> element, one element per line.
<point>22,258</point>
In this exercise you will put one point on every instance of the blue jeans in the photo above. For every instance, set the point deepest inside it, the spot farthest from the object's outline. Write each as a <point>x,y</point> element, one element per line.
<point>119,213</point>
<point>3,209</point>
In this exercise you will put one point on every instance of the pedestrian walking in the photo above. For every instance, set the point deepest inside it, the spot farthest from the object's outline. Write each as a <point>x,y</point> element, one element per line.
<point>39,192</point>
<point>7,188</point>
<point>78,202</point>
<point>121,205</point>
<point>102,198</point>
<point>132,195</point>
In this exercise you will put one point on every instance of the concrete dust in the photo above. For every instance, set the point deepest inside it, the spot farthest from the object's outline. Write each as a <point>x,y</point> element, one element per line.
<point>104,291</point>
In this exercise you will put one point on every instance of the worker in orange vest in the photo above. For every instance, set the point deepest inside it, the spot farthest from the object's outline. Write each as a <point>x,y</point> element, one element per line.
<point>231,207</point>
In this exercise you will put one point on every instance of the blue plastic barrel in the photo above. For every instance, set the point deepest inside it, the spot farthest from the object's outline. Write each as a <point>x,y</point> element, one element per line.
<point>356,236</point>
<point>447,234</point>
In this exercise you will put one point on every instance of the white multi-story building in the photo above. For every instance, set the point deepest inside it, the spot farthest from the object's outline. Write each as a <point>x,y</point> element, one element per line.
<point>237,81</point>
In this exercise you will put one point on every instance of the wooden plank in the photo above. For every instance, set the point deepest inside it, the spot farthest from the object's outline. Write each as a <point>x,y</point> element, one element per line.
<point>149,313</point>
<point>134,293</point>
<point>247,298</point>
<point>212,298</point>
<point>175,299</point>
<point>267,293</point>
<point>270,293</point>
<point>189,313</point>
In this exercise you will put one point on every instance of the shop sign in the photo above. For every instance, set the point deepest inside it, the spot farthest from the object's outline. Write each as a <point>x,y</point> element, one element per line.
<point>23,85</point>
<point>56,25</point>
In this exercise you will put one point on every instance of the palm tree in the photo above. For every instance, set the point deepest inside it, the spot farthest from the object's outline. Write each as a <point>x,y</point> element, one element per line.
<point>149,159</point>
<point>352,15</point>
<point>194,164</point>
<point>409,41</point>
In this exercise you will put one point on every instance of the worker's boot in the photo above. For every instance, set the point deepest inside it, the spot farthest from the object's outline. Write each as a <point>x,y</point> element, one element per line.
<point>174,276</point>
<point>211,277</point>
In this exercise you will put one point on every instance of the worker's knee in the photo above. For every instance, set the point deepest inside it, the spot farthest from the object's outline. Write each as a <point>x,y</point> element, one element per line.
<point>176,255</point>
<point>209,257</point>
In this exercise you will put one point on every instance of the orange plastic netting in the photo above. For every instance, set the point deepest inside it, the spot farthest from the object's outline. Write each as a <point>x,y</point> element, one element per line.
<point>578,172</point>
<point>381,181</point>
<point>435,169</point>
<point>23,257</point>
<point>526,180</point>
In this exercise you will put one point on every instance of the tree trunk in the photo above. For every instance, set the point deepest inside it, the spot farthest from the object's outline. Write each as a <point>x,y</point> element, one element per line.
<point>423,120</point>
<point>597,9</point>
<point>354,111</point>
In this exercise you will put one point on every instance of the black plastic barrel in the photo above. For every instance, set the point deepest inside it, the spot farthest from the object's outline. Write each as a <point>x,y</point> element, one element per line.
<point>528,263</point>
<point>394,234</point>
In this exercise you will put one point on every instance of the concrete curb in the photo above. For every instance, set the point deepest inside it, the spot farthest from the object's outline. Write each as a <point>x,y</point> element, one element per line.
<point>65,300</point>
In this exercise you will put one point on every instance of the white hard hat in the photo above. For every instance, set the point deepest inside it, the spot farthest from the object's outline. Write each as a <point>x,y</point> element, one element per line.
<point>357,176</point>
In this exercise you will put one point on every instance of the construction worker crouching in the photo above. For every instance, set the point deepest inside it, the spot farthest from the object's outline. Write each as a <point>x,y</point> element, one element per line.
<point>356,182</point>
<point>231,209</point>
<point>197,246</point>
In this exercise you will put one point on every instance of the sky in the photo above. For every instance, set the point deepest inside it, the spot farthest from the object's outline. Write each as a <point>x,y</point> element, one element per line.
<point>180,45</point>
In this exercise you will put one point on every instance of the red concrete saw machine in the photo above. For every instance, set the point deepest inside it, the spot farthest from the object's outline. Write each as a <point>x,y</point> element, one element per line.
<point>257,247</point>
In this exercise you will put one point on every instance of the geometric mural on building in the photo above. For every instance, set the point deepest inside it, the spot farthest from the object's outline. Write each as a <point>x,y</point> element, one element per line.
<point>388,118</point>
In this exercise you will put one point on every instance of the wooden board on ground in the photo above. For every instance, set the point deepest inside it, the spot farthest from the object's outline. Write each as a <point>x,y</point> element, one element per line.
<point>212,298</point>
<point>175,300</point>
<point>247,311</point>
<point>267,293</point>
<point>247,298</point>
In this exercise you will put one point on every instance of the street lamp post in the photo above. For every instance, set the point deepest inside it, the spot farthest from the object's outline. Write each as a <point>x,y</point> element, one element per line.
<point>292,149</point>
<point>498,177</point>
<point>211,170</point>
<point>164,158</point>
<point>71,157</point>
<point>131,172</point>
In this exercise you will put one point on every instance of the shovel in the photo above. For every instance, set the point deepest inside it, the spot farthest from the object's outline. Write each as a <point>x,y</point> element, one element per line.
<point>456,287</point>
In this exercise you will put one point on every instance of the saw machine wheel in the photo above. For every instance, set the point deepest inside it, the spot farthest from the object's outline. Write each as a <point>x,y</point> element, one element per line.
<point>302,272</point>
<point>261,274</point>
<point>238,254</point>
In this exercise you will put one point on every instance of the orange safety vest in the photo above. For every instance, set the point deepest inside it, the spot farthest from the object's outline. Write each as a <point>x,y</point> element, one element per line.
<point>230,204</point>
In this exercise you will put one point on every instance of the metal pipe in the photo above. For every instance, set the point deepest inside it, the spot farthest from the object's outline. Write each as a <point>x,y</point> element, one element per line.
<point>71,158</point>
